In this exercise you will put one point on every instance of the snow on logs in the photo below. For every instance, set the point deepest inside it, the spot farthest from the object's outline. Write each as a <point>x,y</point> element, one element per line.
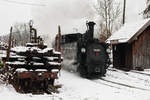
<point>33,58</point>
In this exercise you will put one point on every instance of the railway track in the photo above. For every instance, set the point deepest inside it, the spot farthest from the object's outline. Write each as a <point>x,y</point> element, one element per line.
<point>133,71</point>
<point>99,82</point>
<point>118,85</point>
<point>130,73</point>
<point>140,72</point>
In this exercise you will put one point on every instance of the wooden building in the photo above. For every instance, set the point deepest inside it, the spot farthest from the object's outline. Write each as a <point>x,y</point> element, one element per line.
<point>131,46</point>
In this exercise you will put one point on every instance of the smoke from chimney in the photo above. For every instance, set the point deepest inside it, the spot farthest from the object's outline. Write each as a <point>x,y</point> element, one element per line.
<point>71,15</point>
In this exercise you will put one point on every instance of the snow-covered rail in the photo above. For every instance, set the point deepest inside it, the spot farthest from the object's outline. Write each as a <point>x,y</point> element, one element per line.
<point>118,85</point>
<point>140,72</point>
<point>133,71</point>
<point>132,80</point>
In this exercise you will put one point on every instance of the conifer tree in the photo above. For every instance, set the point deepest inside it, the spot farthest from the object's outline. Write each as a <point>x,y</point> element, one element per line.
<point>146,13</point>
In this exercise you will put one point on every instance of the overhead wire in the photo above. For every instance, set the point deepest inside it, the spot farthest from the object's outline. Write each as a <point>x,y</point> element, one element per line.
<point>23,3</point>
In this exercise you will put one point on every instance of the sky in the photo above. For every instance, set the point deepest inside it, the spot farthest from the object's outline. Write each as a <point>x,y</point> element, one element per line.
<point>48,14</point>
<point>133,9</point>
<point>11,13</point>
<point>69,15</point>
<point>72,15</point>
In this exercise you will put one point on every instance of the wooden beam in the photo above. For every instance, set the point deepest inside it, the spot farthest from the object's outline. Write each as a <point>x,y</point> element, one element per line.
<point>58,43</point>
<point>9,44</point>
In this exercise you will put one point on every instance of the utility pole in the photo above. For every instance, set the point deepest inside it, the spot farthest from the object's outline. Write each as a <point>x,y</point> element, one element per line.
<point>124,11</point>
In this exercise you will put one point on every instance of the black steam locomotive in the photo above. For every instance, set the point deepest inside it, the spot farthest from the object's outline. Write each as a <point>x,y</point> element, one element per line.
<point>91,55</point>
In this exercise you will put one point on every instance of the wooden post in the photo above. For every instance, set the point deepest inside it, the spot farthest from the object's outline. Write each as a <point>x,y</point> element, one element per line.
<point>124,11</point>
<point>58,43</point>
<point>15,42</point>
<point>12,42</point>
<point>35,35</point>
<point>30,25</point>
<point>9,45</point>
<point>30,32</point>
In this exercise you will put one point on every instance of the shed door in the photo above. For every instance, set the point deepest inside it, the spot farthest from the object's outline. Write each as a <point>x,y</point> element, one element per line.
<point>122,56</point>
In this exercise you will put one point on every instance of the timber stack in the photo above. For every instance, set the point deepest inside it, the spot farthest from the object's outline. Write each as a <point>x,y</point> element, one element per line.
<point>34,67</point>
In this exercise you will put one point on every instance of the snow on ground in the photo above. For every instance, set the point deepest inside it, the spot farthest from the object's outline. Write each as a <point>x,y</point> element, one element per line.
<point>76,88</point>
<point>8,93</point>
<point>129,78</point>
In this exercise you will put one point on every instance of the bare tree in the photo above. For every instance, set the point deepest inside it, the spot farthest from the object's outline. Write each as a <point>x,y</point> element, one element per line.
<point>109,12</point>
<point>21,34</point>
<point>146,12</point>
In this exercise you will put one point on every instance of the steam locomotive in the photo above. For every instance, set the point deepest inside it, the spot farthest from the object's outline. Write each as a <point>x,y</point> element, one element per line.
<point>91,56</point>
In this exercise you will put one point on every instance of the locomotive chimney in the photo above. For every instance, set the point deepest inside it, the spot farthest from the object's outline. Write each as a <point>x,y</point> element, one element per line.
<point>90,30</point>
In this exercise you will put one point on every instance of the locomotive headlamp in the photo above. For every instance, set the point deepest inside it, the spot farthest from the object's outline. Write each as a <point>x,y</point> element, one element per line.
<point>83,50</point>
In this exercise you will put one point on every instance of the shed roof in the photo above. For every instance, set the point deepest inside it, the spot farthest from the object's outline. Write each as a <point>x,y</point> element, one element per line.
<point>129,31</point>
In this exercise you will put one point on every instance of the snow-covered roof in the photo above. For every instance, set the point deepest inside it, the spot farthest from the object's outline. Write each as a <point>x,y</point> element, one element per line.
<point>129,30</point>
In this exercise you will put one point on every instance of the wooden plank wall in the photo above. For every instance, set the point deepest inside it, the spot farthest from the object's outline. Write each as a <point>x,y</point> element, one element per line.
<point>141,50</point>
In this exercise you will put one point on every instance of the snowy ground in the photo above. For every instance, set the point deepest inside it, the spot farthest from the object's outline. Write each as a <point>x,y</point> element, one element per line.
<point>76,88</point>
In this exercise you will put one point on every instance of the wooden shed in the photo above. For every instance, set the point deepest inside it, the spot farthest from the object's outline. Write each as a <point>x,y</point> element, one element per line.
<point>131,46</point>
